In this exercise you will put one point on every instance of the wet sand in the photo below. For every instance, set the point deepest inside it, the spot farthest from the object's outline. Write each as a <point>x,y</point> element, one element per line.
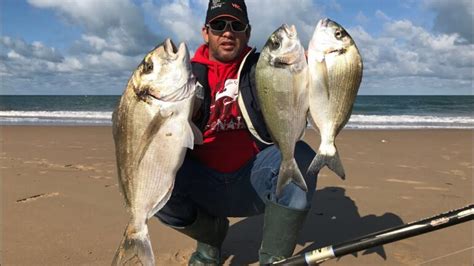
<point>61,205</point>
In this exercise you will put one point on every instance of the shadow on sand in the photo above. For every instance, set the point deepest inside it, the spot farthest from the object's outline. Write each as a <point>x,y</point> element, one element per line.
<point>334,218</point>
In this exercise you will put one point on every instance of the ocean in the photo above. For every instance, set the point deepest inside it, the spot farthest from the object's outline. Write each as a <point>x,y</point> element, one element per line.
<point>370,112</point>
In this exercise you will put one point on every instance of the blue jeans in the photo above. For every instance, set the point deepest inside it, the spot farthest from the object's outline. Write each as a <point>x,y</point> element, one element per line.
<point>238,194</point>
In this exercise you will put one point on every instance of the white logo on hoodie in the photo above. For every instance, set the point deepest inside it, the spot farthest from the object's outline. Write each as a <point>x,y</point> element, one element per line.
<point>231,89</point>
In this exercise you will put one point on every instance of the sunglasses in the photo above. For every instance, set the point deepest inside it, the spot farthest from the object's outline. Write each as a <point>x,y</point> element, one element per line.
<point>221,25</point>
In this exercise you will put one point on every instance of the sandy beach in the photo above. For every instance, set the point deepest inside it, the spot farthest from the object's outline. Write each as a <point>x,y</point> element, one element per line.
<point>61,205</point>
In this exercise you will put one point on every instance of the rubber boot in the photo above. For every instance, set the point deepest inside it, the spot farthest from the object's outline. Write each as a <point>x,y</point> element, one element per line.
<point>281,226</point>
<point>209,232</point>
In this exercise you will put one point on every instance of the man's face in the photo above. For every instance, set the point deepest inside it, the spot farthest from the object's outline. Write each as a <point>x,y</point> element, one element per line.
<point>226,45</point>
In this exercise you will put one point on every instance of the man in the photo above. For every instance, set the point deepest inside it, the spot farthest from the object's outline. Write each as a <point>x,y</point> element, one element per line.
<point>234,172</point>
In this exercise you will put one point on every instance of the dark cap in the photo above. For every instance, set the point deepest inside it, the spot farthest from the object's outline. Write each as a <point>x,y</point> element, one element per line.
<point>227,8</point>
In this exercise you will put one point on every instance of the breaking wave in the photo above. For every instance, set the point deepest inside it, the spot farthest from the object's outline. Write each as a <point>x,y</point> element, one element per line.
<point>104,118</point>
<point>409,122</point>
<point>55,118</point>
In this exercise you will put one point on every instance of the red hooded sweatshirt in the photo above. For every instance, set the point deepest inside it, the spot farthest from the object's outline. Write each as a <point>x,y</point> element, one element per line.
<point>227,142</point>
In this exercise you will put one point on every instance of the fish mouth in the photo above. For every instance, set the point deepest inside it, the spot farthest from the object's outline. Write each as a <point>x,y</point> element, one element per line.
<point>290,30</point>
<point>285,60</point>
<point>170,48</point>
<point>324,23</point>
<point>148,95</point>
<point>145,93</point>
<point>333,51</point>
<point>173,52</point>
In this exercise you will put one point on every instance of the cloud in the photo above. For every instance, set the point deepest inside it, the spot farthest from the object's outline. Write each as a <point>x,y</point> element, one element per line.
<point>119,23</point>
<point>408,50</point>
<point>361,18</point>
<point>36,69</point>
<point>183,19</point>
<point>264,21</point>
<point>405,51</point>
<point>114,40</point>
<point>453,17</point>
<point>180,20</point>
<point>381,15</point>
<point>115,36</point>
<point>34,50</point>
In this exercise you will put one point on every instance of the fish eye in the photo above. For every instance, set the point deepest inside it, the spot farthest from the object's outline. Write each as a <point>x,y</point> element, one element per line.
<point>147,67</point>
<point>276,45</point>
<point>338,34</point>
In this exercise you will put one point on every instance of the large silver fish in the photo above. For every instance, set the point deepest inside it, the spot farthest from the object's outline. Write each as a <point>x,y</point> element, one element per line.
<point>335,68</point>
<point>151,128</point>
<point>282,80</point>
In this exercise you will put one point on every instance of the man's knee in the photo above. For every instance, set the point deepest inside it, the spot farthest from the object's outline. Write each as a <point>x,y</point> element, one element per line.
<point>177,214</point>
<point>294,197</point>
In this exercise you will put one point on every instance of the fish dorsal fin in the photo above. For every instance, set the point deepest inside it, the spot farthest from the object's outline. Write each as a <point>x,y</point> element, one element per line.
<point>198,138</point>
<point>188,136</point>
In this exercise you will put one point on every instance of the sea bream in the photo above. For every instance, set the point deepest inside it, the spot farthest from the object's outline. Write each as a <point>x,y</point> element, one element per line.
<point>282,91</point>
<point>152,130</point>
<point>335,68</point>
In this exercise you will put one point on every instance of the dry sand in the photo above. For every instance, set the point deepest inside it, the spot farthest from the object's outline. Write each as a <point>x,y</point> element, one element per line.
<point>61,205</point>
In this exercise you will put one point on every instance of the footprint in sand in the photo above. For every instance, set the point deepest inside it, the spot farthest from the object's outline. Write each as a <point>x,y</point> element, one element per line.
<point>38,196</point>
<point>100,177</point>
<point>74,147</point>
<point>354,187</point>
<point>406,253</point>
<point>79,167</point>
<point>180,257</point>
<point>411,182</point>
<point>407,166</point>
<point>432,188</point>
<point>446,157</point>
<point>44,163</point>
<point>459,173</point>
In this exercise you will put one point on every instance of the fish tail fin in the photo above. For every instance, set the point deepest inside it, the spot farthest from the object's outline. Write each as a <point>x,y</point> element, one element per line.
<point>135,248</point>
<point>289,171</point>
<point>330,159</point>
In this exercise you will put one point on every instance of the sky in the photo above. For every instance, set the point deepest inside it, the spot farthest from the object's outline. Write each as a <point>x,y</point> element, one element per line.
<point>90,47</point>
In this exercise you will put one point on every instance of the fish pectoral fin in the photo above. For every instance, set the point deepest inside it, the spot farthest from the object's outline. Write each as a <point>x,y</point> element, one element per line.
<point>165,112</point>
<point>311,121</point>
<point>147,137</point>
<point>198,138</point>
<point>323,79</point>
<point>188,141</point>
